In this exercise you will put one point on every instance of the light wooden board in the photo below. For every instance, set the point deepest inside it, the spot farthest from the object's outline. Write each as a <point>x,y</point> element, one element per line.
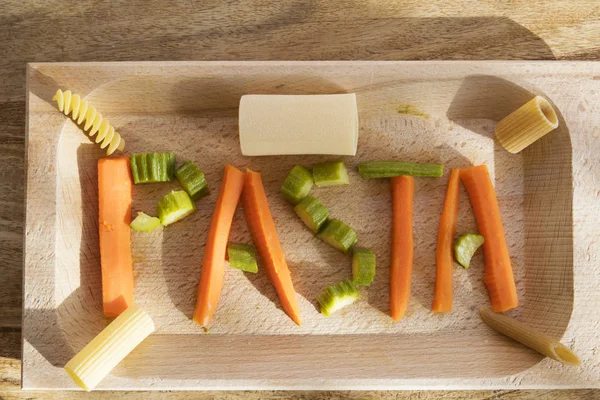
<point>190,108</point>
<point>386,29</point>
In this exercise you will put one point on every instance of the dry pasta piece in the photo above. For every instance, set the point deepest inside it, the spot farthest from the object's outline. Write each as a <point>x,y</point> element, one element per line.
<point>88,118</point>
<point>524,126</point>
<point>95,361</point>
<point>531,338</point>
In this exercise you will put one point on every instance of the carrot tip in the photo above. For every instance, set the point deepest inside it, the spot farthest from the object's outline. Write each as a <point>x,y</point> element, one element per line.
<point>204,322</point>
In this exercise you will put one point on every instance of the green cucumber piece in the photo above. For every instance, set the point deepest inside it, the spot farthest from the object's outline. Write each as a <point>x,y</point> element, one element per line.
<point>192,180</point>
<point>144,223</point>
<point>363,267</point>
<point>312,213</point>
<point>465,246</point>
<point>139,168</point>
<point>152,167</point>
<point>174,206</point>
<point>297,184</point>
<point>243,257</point>
<point>330,174</point>
<point>389,169</point>
<point>337,296</point>
<point>154,163</point>
<point>338,235</point>
<point>135,169</point>
<point>171,166</point>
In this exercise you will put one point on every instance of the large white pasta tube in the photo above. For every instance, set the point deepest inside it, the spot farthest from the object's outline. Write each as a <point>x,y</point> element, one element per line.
<point>106,350</point>
<point>298,124</point>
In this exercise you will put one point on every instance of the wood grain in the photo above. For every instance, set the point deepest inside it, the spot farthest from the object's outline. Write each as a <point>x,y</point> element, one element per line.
<point>180,30</point>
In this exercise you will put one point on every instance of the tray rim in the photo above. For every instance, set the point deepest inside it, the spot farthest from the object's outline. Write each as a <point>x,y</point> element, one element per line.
<point>407,384</point>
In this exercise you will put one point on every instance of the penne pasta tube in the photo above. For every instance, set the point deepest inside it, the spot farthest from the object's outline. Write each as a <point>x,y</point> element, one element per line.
<point>112,345</point>
<point>524,126</point>
<point>531,338</point>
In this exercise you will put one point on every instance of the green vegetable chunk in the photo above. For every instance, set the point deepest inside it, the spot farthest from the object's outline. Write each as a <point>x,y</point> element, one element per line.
<point>192,180</point>
<point>363,267</point>
<point>330,174</point>
<point>465,246</point>
<point>174,206</point>
<point>337,296</point>
<point>338,235</point>
<point>297,185</point>
<point>389,169</point>
<point>243,257</point>
<point>152,167</point>
<point>312,213</point>
<point>144,223</point>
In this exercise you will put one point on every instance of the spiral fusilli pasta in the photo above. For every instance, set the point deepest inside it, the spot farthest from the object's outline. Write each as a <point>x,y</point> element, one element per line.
<point>88,118</point>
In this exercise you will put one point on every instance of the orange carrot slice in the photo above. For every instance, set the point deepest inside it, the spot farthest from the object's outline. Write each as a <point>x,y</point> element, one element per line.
<point>262,227</point>
<point>442,300</point>
<point>114,213</point>
<point>498,271</point>
<point>213,264</point>
<point>403,191</point>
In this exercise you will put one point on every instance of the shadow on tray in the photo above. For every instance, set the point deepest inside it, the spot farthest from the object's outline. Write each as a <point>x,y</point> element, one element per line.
<point>79,317</point>
<point>547,203</point>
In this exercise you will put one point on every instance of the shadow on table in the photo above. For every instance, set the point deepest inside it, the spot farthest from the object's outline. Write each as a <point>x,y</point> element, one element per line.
<point>288,33</point>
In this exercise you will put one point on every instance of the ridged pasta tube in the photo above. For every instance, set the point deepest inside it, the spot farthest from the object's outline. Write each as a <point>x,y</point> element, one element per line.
<point>112,345</point>
<point>88,118</point>
<point>524,126</point>
<point>531,338</point>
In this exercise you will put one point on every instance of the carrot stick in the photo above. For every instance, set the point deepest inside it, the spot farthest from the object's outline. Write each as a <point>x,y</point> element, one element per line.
<point>498,271</point>
<point>442,300</point>
<point>114,217</point>
<point>262,227</point>
<point>403,191</point>
<point>213,264</point>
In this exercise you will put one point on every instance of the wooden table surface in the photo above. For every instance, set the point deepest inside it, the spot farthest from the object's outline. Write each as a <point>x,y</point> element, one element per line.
<point>254,30</point>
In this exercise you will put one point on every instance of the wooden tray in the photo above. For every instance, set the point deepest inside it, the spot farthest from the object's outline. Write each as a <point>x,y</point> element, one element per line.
<point>191,108</point>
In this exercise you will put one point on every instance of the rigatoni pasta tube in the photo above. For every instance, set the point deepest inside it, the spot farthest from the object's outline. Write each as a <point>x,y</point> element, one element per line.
<point>531,338</point>
<point>298,124</point>
<point>112,345</point>
<point>524,126</point>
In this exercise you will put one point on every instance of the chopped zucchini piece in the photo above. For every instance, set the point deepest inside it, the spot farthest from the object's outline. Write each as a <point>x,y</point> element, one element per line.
<point>389,169</point>
<point>363,267</point>
<point>144,223</point>
<point>174,206</point>
<point>330,174</point>
<point>192,180</point>
<point>152,167</point>
<point>242,256</point>
<point>297,185</point>
<point>338,235</point>
<point>312,213</point>
<point>337,296</point>
<point>465,246</point>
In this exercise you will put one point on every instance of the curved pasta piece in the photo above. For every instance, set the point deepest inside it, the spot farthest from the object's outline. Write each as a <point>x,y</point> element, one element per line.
<point>89,120</point>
